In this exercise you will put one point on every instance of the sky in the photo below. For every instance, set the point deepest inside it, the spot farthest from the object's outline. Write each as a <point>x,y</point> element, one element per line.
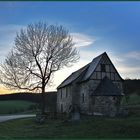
<point>96,27</point>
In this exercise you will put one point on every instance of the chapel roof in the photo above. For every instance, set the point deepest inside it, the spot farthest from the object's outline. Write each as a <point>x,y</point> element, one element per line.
<point>83,73</point>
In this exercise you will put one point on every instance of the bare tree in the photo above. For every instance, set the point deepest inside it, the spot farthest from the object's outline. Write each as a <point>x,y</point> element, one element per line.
<point>39,51</point>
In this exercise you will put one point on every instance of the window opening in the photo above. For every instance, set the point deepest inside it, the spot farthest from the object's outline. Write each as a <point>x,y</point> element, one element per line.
<point>83,97</point>
<point>103,68</point>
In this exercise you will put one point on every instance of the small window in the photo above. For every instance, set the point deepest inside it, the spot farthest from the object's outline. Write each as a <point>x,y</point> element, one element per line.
<point>114,98</point>
<point>93,101</point>
<point>61,108</point>
<point>66,92</point>
<point>118,84</point>
<point>103,68</point>
<point>83,97</point>
<point>61,93</point>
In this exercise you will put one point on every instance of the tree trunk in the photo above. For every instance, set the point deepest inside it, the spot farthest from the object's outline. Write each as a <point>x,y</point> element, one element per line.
<point>43,101</point>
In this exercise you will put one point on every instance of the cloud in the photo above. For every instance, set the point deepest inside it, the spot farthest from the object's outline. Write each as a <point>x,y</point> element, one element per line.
<point>82,40</point>
<point>7,33</point>
<point>133,55</point>
<point>121,62</point>
<point>126,64</point>
<point>5,47</point>
<point>10,28</point>
<point>128,71</point>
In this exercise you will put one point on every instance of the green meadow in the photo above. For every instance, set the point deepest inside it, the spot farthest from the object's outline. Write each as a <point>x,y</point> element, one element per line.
<point>15,106</point>
<point>133,99</point>
<point>95,127</point>
<point>88,127</point>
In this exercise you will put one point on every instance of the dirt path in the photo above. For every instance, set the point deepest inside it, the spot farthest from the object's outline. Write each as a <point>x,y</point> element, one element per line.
<point>12,117</point>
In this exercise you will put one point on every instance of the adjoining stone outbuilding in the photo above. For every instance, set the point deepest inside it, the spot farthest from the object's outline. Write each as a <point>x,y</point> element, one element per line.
<point>96,88</point>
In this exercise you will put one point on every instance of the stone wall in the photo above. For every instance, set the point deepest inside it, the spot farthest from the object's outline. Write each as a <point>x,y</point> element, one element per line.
<point>86,89</point>
<point>84,97</point>
<point>101,104</point>
<point>80,94</point>
<point>107,105</point>
<point>64,99</point>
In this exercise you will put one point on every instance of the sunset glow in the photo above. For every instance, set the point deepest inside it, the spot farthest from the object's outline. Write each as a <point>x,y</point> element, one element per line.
<point>4,90</point>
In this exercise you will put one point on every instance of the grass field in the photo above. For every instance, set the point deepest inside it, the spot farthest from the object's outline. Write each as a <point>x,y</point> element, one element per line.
<point>95,127</point>
<point>133,99</point>
<point>12,107</point>
<point>88,128</point>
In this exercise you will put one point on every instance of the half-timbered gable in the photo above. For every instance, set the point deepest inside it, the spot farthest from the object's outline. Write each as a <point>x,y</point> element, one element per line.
<point>96,87</point>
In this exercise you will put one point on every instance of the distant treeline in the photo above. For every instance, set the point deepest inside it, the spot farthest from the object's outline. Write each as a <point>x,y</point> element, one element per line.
<point>33,97</point>
<point>21,96</point>
<point>132,86</point>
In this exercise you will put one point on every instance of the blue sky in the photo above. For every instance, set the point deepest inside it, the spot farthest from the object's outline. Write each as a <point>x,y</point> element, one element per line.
<point>96,27</point>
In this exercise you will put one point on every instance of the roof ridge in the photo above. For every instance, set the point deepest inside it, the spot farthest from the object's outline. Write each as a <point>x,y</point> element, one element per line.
<point>81,68</point>
<point>74,78</point>
<point>93,66</point>
<point>99,55</point>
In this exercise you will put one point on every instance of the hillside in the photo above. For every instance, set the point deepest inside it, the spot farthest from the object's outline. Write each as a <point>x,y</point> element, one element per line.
<point>12,103</point>
<point>132,86</point>
<point>16,106</point>
<point>33,97</point>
